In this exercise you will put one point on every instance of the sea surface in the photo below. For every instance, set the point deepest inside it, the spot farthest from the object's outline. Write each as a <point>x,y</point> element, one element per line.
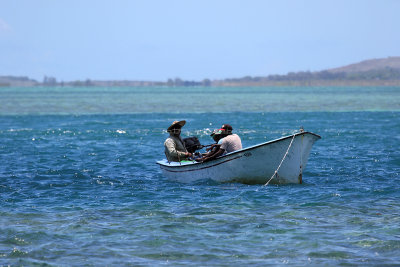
<point>79,185</point>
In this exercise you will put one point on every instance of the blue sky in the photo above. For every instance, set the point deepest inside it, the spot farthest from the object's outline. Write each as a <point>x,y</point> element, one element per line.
<point>193,40</point>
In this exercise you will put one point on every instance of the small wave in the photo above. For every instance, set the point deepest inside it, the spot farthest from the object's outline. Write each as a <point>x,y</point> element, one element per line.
<point>20,130</point>
<point>16,253</point>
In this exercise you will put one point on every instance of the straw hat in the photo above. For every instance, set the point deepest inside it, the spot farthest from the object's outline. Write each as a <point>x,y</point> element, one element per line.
<point>176,124</point>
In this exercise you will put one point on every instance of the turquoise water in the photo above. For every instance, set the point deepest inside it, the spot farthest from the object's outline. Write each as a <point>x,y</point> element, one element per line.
<point>79,184</point>
<point>120,100</point>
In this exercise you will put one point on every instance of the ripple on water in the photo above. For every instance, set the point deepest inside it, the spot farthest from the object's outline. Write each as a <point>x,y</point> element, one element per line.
<point>87,190</point>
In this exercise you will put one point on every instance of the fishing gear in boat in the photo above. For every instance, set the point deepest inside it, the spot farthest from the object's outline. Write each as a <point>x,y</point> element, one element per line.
<point>192,144</point>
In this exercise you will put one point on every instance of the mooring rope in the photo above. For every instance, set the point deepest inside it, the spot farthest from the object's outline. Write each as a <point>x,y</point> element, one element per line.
<point>287,152</point>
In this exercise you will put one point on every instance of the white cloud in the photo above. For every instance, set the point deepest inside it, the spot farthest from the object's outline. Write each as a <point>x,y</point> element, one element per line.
<point>4,26</point>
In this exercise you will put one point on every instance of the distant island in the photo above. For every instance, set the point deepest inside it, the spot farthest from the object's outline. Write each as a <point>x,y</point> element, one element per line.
<point>373,72</point>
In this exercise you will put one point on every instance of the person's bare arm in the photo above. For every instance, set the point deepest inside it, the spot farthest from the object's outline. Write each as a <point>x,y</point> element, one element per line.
<point>217,153</point>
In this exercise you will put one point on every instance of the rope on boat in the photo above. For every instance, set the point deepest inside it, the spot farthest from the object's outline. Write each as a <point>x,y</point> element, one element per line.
<point>287,152</point>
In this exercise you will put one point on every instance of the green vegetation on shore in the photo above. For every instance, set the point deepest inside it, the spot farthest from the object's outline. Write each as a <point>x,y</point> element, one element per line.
<point>374,72</point>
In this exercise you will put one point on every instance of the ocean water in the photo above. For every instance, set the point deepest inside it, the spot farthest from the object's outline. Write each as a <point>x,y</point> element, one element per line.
<point>79,184</point>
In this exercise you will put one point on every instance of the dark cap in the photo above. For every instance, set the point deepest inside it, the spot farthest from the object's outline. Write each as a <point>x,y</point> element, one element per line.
<point>228,128</point>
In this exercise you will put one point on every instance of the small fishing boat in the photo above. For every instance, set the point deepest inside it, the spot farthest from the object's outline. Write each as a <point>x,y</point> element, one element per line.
<point>279,161</point>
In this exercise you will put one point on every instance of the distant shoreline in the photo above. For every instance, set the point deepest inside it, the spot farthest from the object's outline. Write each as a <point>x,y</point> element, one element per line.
<point>373,72</point>
<point>317,83</point>
<point>397,84</point>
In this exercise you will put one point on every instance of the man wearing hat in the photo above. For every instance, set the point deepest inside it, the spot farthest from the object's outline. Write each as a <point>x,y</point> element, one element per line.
<point>227,142</point>
<point>216,136</point>
<point>230,142</point>
<point>174,147</point>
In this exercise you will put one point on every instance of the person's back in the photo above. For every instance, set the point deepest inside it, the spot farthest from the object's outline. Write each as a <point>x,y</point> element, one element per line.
<point>231,143</point>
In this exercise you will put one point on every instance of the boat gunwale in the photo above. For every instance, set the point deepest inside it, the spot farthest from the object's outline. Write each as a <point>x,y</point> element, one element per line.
<point>214,163</point>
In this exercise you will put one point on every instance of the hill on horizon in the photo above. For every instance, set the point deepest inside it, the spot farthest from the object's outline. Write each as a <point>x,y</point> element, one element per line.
<point>369,65</point>
<point>372,72</point>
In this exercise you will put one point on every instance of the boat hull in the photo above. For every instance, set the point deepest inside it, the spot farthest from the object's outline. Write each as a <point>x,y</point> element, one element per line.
<point>252,165</point>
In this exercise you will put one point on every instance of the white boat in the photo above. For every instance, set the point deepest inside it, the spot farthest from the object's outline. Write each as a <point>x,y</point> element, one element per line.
<point>283,160</point>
